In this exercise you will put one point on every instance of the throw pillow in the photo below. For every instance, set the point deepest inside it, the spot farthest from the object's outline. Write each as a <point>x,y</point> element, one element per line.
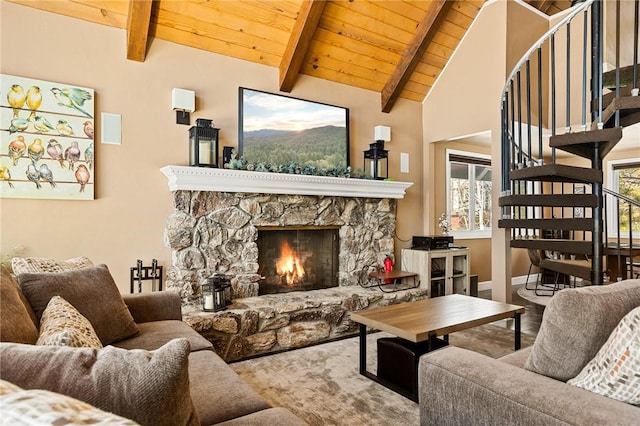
<point>21,265</point>
<point>91,291</point>
<point>41,407</point>
<point>615,370</point>
<point>575,325</point>
<point>149,387</point>
<point>16,323</point>
<point>63,325</point>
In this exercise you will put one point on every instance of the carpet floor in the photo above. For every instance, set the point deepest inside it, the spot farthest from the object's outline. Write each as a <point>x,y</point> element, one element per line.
<point>321,384</point>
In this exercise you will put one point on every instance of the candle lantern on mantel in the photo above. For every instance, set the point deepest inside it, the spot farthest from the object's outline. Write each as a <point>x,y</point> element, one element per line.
<point>208,296</point>
<point>203,144</point>
<point>376,158</point>
<point>376,162</point>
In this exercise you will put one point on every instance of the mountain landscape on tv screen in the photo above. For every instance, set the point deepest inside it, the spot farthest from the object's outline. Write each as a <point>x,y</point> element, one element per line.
<point>320,146</point>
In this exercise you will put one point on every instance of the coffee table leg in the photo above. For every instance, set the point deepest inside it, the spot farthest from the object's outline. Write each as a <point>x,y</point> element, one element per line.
<point>363,348</point>
<point>517,330</point>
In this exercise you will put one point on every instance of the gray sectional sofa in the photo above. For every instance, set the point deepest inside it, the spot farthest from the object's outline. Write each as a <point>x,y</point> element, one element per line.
<point>206,389</point>
<point>529,387</point>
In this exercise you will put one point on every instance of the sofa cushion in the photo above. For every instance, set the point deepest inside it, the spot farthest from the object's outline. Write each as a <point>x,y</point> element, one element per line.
<point>91,291</point>
<point>16,324</point>
<point>210,375</point>
<point>575,325</point>
<point>615,370</point>
<point>151,388</point>
<point>156,333</point>
<point>41,407</point>
<point>21,265</point>
<point>63,325</point>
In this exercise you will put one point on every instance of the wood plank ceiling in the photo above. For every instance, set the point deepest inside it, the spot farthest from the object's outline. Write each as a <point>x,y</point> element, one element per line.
<point>394,47</point>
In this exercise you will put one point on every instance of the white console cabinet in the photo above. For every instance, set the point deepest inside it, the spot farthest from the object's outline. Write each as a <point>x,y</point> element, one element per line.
<point>441,271</point>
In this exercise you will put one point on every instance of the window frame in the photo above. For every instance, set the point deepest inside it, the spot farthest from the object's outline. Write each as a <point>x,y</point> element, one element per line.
<point>475,233</point>
<point>613,184</point>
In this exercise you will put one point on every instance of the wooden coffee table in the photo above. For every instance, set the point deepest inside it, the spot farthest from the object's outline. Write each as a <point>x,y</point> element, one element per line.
<point>424,320</point>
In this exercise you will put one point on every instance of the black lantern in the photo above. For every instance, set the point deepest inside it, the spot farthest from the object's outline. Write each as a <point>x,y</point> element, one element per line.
<point>203,144</point>
<point>376,162</point>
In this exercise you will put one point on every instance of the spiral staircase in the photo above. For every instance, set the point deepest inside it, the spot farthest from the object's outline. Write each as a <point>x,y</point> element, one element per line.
<point>550,200</point>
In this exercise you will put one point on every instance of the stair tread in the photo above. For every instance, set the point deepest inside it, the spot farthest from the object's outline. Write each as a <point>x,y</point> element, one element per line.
<point>584,143</point>
<point>559,245</point>
<point>623,103</point>
<point>550,200</point>
<point>576,224</point>
<point>557,173</point>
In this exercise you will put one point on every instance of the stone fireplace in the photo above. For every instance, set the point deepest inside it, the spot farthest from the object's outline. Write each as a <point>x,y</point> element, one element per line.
<point>223,218</point>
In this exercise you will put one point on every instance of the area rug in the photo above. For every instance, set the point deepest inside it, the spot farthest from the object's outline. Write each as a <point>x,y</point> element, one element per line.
<point>532,297</point>
<point>321,384</point>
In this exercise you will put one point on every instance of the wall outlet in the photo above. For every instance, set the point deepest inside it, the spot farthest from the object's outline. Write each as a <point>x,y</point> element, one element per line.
<point>404,162</point>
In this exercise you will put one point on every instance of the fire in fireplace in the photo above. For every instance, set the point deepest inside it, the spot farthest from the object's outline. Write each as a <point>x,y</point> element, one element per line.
<point>297,259</point>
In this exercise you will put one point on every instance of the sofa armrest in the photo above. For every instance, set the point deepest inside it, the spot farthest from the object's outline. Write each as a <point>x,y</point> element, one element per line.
<point>458,386</point>
<point>156,306</point>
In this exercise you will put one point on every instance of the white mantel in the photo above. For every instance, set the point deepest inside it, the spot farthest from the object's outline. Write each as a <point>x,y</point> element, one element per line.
<point>185,178</point>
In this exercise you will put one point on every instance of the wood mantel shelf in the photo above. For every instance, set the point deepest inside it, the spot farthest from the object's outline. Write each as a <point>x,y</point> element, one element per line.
<point>185,178</point>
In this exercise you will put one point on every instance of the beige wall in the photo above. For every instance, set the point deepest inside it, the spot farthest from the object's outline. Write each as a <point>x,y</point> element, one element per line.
<point>127,219</point>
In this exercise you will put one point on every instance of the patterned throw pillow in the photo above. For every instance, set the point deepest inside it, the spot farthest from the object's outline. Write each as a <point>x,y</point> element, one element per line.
<point>41,407</point>
<point>20,265</point>
<point>614,370</point>
<point>63,325</point>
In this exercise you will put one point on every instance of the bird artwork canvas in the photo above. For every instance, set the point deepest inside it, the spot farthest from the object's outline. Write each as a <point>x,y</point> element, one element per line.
<point>46,139</point>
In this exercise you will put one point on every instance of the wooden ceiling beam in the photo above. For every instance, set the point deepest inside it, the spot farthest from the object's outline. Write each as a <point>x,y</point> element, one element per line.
<point>414,51</point>
<point>299,42</point>
<point>542,5</point>
<point>138,29</point>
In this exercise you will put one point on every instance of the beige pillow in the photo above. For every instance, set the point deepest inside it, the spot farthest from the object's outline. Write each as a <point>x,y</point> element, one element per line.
<point>575,325</point>
<point>41,407</point>
<point>16,323</point>
<point>63,325</point>
<point>91,291</point>
<point>149,387</point>
<point>615,370</point>
<point>21,265</point>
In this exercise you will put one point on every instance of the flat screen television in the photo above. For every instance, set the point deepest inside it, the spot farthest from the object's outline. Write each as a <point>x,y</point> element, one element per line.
<point>278,130</point>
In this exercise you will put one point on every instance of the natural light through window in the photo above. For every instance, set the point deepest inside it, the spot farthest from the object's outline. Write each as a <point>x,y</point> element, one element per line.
<point>469,194</point>
<point>624,178</point>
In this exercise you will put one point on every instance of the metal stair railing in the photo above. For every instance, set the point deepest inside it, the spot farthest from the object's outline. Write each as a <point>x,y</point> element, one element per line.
<point>523,97</point>
<point>624,243</point>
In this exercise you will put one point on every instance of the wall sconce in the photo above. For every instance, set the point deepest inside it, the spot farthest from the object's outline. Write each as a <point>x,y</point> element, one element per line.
<point>203,144</point>
<point>183,101</point>
<point>376,163</point>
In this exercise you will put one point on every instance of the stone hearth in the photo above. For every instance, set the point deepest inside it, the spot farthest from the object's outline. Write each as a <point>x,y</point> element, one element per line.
<point>214,228</point>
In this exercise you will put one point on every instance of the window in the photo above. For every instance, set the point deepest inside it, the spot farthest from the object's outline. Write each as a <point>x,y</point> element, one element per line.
<point>469,194</point>
<point>624,178</point>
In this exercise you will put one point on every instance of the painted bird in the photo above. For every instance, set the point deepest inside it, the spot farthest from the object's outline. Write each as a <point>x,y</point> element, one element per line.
<point>16,98</point>
<point>33,175</point>
<point>88,156</point>
<point>47,175</point>
<point>42,125</point>
<point>72,97</point>
<point>82,176</point>
<point>54,149</point>
<point>64,128</point>
<point>16,149</point>
<point>72,154</point>
<point>36,151</point>
<point>5,175</point>
<point>18,125</point>
<point>34,100</point>
<point>88,129</point>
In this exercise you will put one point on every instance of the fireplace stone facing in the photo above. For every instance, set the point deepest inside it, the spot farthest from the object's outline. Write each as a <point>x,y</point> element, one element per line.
<point>212,231</point>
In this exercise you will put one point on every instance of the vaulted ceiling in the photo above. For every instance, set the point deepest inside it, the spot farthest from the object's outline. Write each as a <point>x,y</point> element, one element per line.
<point>394,47</point>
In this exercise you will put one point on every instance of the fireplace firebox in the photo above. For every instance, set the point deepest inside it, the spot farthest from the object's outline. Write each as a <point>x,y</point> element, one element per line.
<point>297,259</point>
